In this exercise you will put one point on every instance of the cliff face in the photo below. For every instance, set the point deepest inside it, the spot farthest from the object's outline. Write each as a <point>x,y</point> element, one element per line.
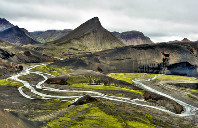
<point>156,58</point>
<point>133,38</point>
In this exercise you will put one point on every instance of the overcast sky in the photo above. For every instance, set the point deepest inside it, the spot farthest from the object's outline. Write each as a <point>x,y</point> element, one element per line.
<point>161,20</point>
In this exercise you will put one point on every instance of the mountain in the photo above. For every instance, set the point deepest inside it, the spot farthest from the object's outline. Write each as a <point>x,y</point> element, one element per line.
<point>132,38</point>
<point>185,40</point>
<point>16,35</point>
<point>4,24</point>
<point>49,35</point>
<point>90,36</point>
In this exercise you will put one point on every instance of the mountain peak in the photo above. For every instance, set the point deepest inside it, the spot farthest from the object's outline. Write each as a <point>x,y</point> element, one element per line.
<point>186,40</point>
<point>4,24</point>
<point>90,35</point>
<point>92,23</point>
<point>87,27</point>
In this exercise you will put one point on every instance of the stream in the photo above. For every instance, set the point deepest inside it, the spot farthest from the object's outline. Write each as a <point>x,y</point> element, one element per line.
<point>189,110</point>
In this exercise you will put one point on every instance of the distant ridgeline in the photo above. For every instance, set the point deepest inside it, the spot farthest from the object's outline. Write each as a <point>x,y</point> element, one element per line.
<point>179,58</point>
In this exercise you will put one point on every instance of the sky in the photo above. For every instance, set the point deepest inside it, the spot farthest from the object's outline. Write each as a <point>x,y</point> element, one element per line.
<point>161,20</point>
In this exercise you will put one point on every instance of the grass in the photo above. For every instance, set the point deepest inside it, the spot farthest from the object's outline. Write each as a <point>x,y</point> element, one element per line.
<point>10,82</point>
<point>53,70</point>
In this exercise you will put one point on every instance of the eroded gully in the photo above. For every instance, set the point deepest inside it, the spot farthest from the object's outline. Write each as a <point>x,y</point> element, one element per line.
<point>189,109</point>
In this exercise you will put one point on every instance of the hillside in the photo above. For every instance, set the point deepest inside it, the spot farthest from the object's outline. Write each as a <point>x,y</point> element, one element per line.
<point>12,58</point>
<point>132,38</point>
<point>156,58</point>
<point>16,35</point>
<point>49,35</point>
<point>4,24</point>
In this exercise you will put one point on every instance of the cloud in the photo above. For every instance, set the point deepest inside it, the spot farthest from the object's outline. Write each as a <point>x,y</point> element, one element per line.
<point>158,19</point>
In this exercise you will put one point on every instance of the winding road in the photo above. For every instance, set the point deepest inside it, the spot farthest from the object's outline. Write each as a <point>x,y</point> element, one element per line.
<point>189,109</point>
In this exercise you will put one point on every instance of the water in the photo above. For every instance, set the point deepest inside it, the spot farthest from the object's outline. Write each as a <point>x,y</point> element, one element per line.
<point>189,110</point>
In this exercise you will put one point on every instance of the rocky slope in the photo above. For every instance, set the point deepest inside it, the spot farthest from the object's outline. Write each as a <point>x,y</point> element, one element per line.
<point>9,120</point>
<point>4,24</point>
<point>49,35</point>
<point>156,58</point>
<point>132,38</point>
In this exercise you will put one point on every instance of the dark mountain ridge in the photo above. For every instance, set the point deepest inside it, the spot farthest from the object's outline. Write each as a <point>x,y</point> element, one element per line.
<point>4,24</point>
<point>132,38</point>
<point>49,35</point>
<point>17,35</point>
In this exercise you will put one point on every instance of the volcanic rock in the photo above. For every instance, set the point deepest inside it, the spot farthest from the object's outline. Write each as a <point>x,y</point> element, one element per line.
<point>84,100</point>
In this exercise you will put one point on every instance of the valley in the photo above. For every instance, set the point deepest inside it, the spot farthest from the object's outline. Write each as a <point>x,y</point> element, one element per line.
<point>90,77</point>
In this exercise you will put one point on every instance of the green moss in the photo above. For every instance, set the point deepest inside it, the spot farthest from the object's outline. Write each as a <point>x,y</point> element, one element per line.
<point>85,116</point>
<point>67,118</point>
<point>54,70</point>
<point>103,87</point>
<point>128,77</point>
<point>149,117</point>
<point>10,82</point>
<point>57,104</point>
<point>135,124</point>
<point>95,117</point>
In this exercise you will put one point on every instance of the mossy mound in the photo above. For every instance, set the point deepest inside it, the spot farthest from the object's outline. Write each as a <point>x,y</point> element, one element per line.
<point>10,82</point>
<point>53,70</point>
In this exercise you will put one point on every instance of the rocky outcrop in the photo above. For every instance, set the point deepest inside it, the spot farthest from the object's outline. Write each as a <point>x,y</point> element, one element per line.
<point>4,24</point>
<point>49,35</point>
<point>132,38</point>
<point>84,100</point>
<point>7,68</point>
